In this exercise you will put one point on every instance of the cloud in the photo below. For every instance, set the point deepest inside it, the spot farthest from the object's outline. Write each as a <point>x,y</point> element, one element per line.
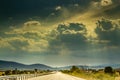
<point>102,3</point>
<point>21,43</point>
<point>17,43</point>
<point>13,43</point>
<point>71,36</point>
<point>37,46</point>
<point>76,5</point>
<point>106,8</point>
<point>106,2</point>
<point>4,43</point>
<point>31,37</point>
<point>109,30</point>
<point>29,26</point>
<point>32,23</point>
<point>58,8</point>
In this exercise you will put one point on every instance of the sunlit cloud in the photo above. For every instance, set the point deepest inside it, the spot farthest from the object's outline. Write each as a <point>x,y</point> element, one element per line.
<point>32,23</point>
<point>76,5</point>
<point>31,37</point>
<point>58,8</point>
<point>4,43</point>
<point>106,2</point>
<point>37,46</point>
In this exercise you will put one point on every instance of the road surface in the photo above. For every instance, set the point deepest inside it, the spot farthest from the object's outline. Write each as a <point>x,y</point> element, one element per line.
<point>56,76</point>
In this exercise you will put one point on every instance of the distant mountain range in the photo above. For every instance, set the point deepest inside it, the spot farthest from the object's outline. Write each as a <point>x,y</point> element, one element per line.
<point>114,66</point>
<point>5,65</point>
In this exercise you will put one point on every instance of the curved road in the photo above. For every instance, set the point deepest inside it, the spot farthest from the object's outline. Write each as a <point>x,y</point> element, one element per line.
<point>56,76</point>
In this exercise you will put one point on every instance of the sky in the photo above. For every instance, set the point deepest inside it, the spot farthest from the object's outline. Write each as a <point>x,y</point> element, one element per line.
<point>60,32</point>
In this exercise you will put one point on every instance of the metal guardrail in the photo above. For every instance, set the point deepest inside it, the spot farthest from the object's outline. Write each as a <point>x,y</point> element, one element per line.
<point>19,77</point>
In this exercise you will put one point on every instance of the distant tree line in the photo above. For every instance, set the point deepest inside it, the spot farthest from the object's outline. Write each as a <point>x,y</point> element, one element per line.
<point>108,73</point>
<point>74,69</point>
<point>16,71</point>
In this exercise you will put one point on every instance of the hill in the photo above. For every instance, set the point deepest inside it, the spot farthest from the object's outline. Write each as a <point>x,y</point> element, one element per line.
<point>5,65</point>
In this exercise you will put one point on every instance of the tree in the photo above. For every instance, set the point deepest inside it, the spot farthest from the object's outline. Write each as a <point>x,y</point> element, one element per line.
<point>15,71</point>
<point>108,70</point>
<point>74,69</point>
<point>36,70</point>
<point>8,72</point>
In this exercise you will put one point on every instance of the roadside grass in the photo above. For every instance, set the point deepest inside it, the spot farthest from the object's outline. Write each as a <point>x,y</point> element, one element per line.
<point>108,73</point>
<point>92,76</point>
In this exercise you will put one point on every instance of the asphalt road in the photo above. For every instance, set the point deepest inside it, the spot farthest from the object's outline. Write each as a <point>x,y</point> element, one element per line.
<point>56,76</point>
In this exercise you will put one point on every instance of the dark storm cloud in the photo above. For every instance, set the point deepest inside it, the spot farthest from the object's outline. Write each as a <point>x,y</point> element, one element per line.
<point>70,36</point>
<point>106,8</point>
<point>71,26</point>
<point>115,11</point>
<point>109,31</point>
<point>116,1</point>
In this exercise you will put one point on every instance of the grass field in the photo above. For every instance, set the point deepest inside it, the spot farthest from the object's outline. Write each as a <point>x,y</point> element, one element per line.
<point>93,74</point>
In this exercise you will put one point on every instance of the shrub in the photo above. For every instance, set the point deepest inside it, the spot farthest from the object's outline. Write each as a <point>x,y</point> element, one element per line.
<point>108,70</point>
